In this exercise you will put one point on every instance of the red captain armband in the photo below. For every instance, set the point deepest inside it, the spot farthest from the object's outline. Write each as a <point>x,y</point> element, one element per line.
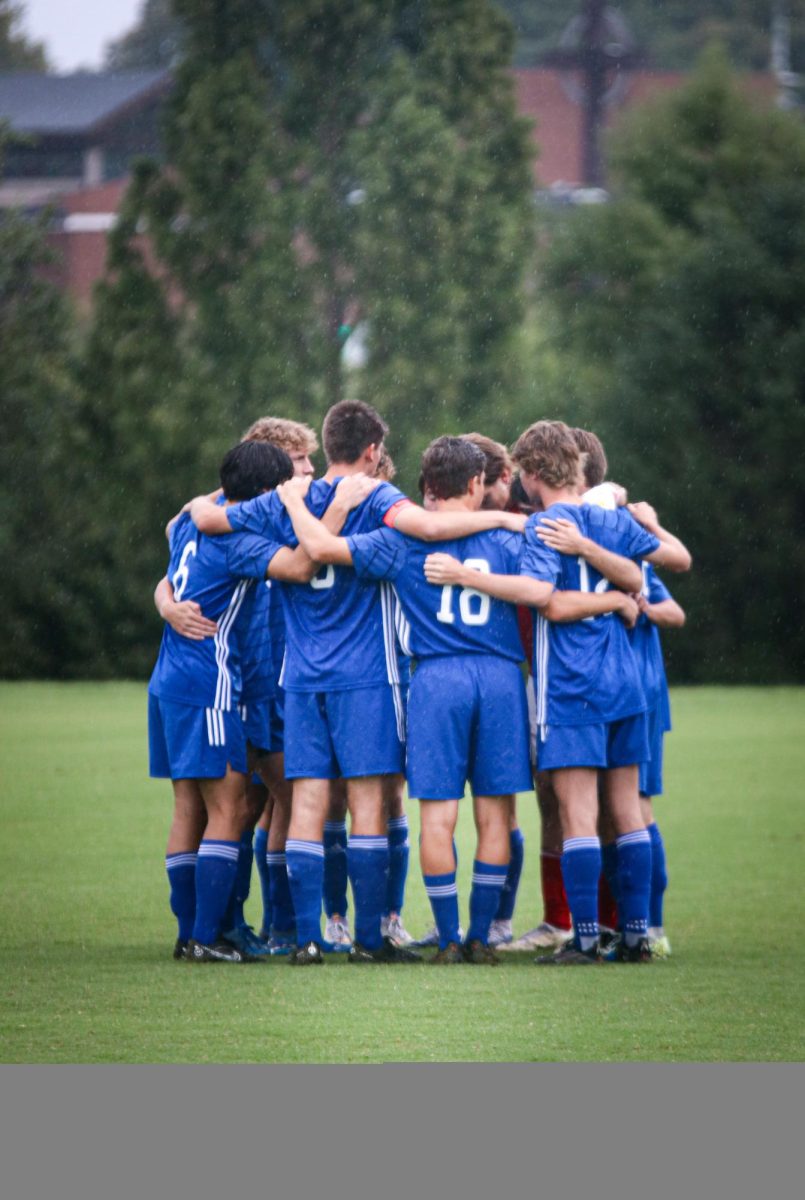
<point>395,510</point>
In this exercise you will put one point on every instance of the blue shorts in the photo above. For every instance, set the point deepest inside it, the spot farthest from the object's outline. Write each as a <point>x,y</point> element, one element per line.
<point>614,744</point>
<point>262,726</point>
<point>467,720</point>
<point>342,735</point>
<point>651,771</point>
<point>188,742</point>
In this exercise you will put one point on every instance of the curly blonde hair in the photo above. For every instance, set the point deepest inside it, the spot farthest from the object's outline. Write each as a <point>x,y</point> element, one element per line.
<point>548,450</point>
<point>291,436</point>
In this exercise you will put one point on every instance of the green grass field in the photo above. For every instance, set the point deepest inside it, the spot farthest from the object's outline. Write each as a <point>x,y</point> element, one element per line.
<point>87,974</point>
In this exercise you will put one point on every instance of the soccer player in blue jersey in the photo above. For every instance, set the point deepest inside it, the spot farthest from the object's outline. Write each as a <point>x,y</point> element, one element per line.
<point>196,737</point>
<point>340,714</point>
<point>467,712</point>
<point>590,703</point>
<point>658,610</point>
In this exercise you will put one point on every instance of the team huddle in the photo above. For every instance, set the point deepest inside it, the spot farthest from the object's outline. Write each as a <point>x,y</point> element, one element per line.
<point>328,642</point>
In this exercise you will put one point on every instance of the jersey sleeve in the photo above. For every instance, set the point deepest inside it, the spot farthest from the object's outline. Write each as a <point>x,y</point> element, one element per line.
<point>657,591</point>
<point>248,556</point>
<point>262,516</point>
<point>538,560</point>
<point>377,555</point>
<point>636,542</point>
<point>385,502</point>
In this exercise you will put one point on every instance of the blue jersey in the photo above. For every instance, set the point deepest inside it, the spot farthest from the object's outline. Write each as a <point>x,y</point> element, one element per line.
<point>585,672</point>
<point>276,623</point>
<point>217,573</point>
<point>645,639</point>
<point>337,635</point>
<point>259,676</point>
<point>445,620</point>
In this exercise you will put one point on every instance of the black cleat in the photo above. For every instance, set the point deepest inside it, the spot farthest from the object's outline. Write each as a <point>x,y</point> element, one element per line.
<point>309,955</point>
<point>385,953</point>
<point>220,951</point>
<point>478,953</point>
<point>451,954</point>
<point>570,956</point>
<point>180,949</point>
<point>641,953</point>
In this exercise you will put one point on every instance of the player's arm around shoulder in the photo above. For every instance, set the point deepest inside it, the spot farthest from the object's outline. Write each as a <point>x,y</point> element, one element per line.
<point>667,614</point>
<point>415,522</point>
<point>566,537</point>
<point>442,569</point>
<point>671,552</point>
<point>315,539</point>
<point>184,616</point>
<point>209,517</point>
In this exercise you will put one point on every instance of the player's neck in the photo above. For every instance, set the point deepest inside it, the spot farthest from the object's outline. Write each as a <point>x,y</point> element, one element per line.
<point>339,470</point>
<point>456,504</point>
<point>563,495</point>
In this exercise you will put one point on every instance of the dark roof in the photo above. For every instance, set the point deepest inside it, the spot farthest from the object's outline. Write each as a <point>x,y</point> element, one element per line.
<point>32,103</point>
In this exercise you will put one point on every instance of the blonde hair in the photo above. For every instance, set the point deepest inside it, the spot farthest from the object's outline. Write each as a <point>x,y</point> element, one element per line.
<point>548,450</point>
<point>497,457</point>
<point>291,436</point>
<point>385,468</point>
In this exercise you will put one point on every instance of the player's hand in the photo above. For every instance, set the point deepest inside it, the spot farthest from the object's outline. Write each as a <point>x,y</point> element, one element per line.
<point>442,568</point>
<point>628,610</point>
<point>561,535</point>
<point>353,489</point>
<point>645,514</point>
<point>619,495</point>
<point>514,522</point>
<point>642,602</point>
<point>186,618</point>
<point>294,489</point>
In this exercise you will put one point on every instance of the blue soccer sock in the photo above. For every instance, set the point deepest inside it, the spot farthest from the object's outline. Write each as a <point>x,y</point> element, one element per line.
<point>305,861</point>
<point>581,866</point>
<point>216,869</point>
<point>508,897</point>
<point>634,884</point>
<point>443,896</point>
<point>609,865</point>
<point>234,916</point>
<point>335,868</point>
<point>260,850</point>
<point>488,880</point>
<point>283,917</point>
<point>399,851</point>
<point>181,870</point>
<point>659,877</point>
<point>368,863</point>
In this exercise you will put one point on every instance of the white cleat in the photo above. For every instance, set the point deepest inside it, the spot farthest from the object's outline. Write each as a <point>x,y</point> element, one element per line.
<point>500,933</point>
<point>395,931</point>
<point>431,938</point>
<point>337,933</point>
<point>658,941</point>
<point>544,937</point>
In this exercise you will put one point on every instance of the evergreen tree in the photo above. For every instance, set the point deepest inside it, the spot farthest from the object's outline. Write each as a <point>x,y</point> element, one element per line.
<point>18,52</point>
<point>154,42</point>
<point>684,301</point>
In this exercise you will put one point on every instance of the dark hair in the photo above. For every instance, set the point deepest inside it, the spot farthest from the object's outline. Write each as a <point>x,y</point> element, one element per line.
<point>253,467</point>
<point>496,456</point>
<point>349,427</point>
<point>594,460</point>
<point>519,497</point>
<point>448,465</point>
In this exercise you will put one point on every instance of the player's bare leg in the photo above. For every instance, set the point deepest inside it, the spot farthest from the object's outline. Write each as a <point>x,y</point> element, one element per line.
<point>438,861</point>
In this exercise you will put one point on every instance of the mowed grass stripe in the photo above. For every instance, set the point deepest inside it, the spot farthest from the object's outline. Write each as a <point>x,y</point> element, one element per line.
<point>86,931</point>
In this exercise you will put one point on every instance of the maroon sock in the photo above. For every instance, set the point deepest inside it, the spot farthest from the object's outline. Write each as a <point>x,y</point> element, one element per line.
<point>553,891</point>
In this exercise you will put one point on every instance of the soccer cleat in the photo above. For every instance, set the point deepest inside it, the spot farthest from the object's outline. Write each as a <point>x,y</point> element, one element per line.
<point>500,933</point>
<point>395,931</point>
<point>180,949</point>
<point>570,955</point>
<point>219,951</point>
<point>451,954</point>
<point>385,953</point>
<point>244,937</point>
<point>338,935</point>
<point>544,937</point>
<point>309,955</point>
<point>641,953</point>
<point>431,938</point>
<point>478,953</point>
<point>608,942</point>
<point>658,940</point>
